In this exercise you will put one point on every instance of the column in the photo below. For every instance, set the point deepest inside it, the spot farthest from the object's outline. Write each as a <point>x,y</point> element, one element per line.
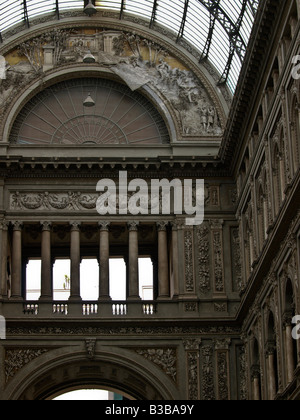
<point>3,256</point>
<point>271,348</point>
<point>163,263</point>
<point>16,276</point>
<point>75,261</point>
<point>175,259</point>
<point>255,373</point>
<point>289,346</point>
<point>282,175</point>
<point>104,262</point>
<point>46,271</point>
<point>133,261</point>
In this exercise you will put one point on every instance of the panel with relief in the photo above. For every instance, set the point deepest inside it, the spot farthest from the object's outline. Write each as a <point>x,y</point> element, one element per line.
<point>185,95</point>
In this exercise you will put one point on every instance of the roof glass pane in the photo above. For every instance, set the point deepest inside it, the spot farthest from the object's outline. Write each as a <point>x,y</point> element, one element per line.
<point>36,8</point>
<point>170,14</point>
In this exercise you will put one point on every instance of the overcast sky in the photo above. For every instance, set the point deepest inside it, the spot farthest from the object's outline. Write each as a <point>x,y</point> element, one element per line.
<point>89,274</point>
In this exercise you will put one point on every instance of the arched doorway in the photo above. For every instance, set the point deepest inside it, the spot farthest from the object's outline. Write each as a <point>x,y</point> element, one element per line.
<point>55,373</point>
<point>90,393</point>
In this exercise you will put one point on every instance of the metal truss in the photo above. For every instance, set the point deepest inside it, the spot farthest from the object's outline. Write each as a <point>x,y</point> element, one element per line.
<point>232,29</point>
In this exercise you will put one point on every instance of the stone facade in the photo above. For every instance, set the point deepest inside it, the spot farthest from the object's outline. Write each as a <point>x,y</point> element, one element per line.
<point>225,293</point>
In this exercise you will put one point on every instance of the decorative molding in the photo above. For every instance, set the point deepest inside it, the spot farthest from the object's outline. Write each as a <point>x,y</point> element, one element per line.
<point>90,347</point>
<point>164,358</point>
<point>203,259</point>
<point>218,262</point>
<point>16,359</point>
<point>189,261</point>
<point>208,387</point>
<point>45,201</point>
<point>223,382</point>
<point>122,331</point>
<point>191,347</point>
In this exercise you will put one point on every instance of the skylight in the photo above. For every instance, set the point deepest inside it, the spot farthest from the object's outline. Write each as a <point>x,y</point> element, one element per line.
<point>218,29</point>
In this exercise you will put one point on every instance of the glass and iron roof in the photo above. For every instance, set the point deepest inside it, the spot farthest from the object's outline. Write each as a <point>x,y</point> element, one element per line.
<point>218,29</point>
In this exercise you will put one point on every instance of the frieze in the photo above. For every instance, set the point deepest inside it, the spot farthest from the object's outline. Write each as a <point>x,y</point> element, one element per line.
<point>123,331</point>
<point>72,200</point>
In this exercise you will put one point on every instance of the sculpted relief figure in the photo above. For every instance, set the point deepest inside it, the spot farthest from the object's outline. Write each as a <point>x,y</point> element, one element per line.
<point>135,60</point>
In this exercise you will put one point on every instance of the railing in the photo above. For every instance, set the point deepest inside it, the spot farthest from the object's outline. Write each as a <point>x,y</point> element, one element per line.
<point>90,309</point>
<point>31,309</point>
<point>60,308</point>
<point>119,309</point>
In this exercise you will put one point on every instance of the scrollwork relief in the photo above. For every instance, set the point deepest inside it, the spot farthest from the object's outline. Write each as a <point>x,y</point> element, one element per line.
<point>165,358</point>
<point>203,259</point>
<point>189,261</point>
<point>16,359</point>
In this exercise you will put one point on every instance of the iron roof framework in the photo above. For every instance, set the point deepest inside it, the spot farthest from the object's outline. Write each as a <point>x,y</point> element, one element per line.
<point>219,29</point>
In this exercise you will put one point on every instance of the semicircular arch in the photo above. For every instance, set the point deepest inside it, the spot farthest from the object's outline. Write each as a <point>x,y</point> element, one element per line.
<point>117,370</point>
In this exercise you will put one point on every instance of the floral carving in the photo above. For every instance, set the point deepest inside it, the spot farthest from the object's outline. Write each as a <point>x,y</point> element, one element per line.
<point>203,259</point>
<point>16,359</point>
<point>208,374</point>
<point>189,261</point>
<point>165,358</point>
<point>53,201</point>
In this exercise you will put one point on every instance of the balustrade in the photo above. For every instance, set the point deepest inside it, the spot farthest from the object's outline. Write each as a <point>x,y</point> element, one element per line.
<point>120,308</point>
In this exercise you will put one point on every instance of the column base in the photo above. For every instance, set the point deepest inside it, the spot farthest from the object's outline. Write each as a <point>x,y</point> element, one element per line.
<point>134,299</point>
<point>46,299</point>
<point>17,299</point>
<point>75,299</point>
<point>104,299</point>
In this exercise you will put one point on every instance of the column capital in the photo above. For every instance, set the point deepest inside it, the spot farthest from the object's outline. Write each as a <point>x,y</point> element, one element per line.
<point>255,372</point>
<point>162,226</point>
<point>75,226</point>
<point>104,226</point>
<point>46,226</point>
<point>17,225</point>
<point>270,348</point>
<point>177,224</point>
<point>133,226</point>
<point>4,225</point>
